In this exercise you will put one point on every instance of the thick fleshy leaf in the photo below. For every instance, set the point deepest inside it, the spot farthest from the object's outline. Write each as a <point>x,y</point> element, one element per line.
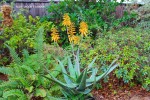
<point>80,77</point>
<point>111,69</point>
<point>67,79</point>
<point>68,91</point>
<point>52,78</point>
<point>82,84</point>
<point>91,64</point>
<point>93,76</point>
<point>86,91</point>
<point>63,85</point>
<point>94,72</point>
<point>104,74</point>
<point>114,61</point>
<point>71,69</point>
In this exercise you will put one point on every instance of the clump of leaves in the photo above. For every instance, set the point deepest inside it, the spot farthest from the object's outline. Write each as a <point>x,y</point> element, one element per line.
<point>104,18</point>
<point>25,81</point>
<point>132,47</point>
<point>22,33</point>
<point>79,82</point>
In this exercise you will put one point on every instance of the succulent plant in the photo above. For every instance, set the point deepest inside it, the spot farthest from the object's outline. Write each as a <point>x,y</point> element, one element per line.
<point>79,82</point>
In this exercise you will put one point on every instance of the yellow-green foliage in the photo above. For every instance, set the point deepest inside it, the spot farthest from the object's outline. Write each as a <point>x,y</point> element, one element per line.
<point>132,46</point>
<point>25,80</point>
<point>22,33</point>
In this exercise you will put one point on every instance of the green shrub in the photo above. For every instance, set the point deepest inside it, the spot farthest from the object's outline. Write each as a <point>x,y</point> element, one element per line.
<point>22,33</point>
<point>132,46</point>
<point>99,16</point>
<point>24,74</point>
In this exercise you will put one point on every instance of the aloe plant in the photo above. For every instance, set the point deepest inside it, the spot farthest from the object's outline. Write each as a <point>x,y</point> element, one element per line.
<point>79,82</point>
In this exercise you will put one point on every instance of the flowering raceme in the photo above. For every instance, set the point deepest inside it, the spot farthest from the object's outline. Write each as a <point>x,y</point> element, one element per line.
<point>66,20</point>
<point>74,39</point>
<point>71,29</point>
<point>55,35</point>
<point>83,28</point>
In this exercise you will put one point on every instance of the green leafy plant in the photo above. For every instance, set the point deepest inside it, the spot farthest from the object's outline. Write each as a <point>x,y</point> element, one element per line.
<point>146,80</point>
<point>25,81</point>
<point>79,82</point>
<point>132,47</point>
<point>104,18</point>
<point>22,34</point>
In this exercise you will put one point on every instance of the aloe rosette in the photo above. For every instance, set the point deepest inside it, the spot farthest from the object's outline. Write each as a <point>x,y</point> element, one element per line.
<point>79,82</point>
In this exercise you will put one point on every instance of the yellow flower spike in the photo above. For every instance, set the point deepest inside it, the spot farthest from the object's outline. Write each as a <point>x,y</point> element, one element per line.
<point>55,35</point>
<point>83,28</point>
<point>66,20</point>
<point>70,38</point>
<point>71,29</point>
<point>74,39</point>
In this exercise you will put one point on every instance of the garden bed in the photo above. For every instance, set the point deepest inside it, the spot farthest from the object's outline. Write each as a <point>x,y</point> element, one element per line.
<point>116,90</point>
<point>69,54</point>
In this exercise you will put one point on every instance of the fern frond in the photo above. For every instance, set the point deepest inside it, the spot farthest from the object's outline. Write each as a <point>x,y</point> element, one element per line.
<point>28,69</point>
<point>25,54</point>
<point>15,92</point>
<point>39,47</point>
<point>39,40</point>
<point>9,84</point>
<point>18,71</point>
<point>54,98</point>
<point>6,70</point>
<point>14,55</point>
<point>22,80</point>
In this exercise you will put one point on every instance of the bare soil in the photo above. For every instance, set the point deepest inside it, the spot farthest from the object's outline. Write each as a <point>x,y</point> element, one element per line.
<point>115,89</point>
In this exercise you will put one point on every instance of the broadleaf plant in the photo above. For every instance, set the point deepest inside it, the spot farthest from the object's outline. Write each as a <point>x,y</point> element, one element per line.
<point>25,81</point>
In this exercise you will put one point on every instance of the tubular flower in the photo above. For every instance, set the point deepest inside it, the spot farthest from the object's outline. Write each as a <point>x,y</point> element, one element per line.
<point>73,39</point>
<point>71,29</point>
<point>55,35</point>
<point>83,28</point>
<point>66,20</point>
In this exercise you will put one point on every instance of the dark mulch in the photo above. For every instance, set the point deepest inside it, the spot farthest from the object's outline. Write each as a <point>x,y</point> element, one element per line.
<point>3,77</point>
<point>116,90</point>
